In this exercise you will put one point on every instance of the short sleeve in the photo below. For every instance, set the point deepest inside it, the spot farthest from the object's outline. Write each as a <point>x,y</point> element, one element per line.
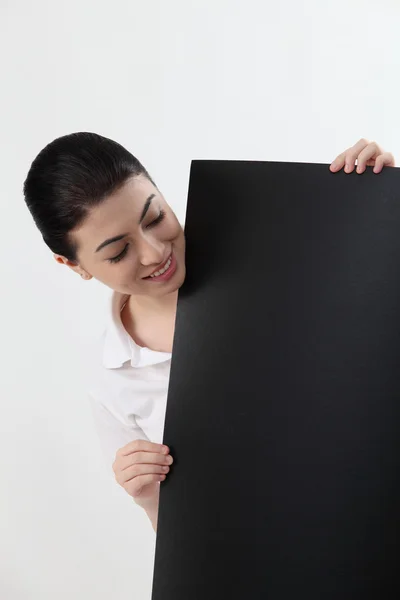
<point>113,434</point>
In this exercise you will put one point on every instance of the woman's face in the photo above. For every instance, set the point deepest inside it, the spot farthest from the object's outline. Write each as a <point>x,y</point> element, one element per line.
<point>132,242</point>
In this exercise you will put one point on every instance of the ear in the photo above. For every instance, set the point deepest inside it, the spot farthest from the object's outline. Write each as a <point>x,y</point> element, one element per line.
<point>73,265</point>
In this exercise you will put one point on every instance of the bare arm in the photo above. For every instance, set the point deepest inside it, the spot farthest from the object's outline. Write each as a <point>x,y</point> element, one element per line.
<point>150,506</point>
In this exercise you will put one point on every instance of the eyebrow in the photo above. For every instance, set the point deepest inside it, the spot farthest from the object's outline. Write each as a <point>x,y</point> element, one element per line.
<point>118,238</point>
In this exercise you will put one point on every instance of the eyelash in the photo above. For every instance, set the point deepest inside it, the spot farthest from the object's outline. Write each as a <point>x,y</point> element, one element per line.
<point>120,256</point>
<point>157,220</point>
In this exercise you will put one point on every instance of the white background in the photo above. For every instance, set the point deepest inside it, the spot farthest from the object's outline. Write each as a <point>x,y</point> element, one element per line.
<point>172,81</point>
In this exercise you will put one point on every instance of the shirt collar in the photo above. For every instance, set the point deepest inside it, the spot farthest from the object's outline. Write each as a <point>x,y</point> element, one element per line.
<point>119,347</point>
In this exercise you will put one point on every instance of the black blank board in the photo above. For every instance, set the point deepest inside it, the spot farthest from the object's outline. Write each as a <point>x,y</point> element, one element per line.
<point>283,410</point>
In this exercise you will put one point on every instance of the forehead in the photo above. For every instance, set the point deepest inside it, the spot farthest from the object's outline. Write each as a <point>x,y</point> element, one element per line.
<point>119,211</point>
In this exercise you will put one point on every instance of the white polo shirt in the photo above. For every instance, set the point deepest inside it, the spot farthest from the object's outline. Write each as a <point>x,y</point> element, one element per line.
<point>129,389</point>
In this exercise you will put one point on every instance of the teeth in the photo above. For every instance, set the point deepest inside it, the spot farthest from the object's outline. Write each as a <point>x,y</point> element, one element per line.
<point>165,268</point>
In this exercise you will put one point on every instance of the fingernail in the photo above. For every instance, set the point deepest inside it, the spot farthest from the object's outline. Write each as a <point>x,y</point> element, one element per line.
<point>162,477</point>
<point>165,449</point>
<point>170,460</point>
<point>347,168</point>
<point>165,469</point>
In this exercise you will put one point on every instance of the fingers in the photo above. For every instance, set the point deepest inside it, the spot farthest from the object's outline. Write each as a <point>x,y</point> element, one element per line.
<point>367,156</point>
<point>141,463</point>
<point>384,160</point>
<point>362,148</point>
<point>135,486</point>
<point>138,464</point>
<point>137,470</point>
<point>338,163</point>
<point>142,446</point>
<point>347,159</point>
<point>144,458</point>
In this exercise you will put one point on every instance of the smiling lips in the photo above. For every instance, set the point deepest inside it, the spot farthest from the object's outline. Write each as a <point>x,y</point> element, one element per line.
<point>165,271</point>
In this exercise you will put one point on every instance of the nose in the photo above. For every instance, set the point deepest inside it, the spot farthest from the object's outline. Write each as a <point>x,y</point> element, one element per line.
<point>151,251</point>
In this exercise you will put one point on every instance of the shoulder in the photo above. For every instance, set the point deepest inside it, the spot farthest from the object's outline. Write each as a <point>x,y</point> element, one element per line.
<point>124,376</point>
<point>109,390</point>
<point>110,349</point>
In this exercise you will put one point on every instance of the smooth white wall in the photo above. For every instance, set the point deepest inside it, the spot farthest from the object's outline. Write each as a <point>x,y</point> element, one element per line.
<point>172,81</point>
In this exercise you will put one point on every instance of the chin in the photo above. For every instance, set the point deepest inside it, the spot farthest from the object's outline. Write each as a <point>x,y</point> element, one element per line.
<point>182,276</point>
<point>176,282</point>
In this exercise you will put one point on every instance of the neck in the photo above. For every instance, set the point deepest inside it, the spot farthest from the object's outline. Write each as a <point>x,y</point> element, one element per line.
<point>145,305</point>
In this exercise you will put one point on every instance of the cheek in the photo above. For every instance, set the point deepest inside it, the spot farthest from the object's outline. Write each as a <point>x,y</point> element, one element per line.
<point>176,229</point>
<point>126,269</point>
<point>117,273</point>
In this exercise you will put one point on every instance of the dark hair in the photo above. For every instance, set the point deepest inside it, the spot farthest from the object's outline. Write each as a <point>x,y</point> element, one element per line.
<point>68,177</point>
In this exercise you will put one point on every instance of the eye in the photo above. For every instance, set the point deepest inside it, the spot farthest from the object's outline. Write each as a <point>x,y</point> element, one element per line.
<point>120,256</point>
<point>156,221</point>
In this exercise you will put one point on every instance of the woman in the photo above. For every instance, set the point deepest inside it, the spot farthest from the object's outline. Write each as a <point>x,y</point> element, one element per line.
<point>100,213</point>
